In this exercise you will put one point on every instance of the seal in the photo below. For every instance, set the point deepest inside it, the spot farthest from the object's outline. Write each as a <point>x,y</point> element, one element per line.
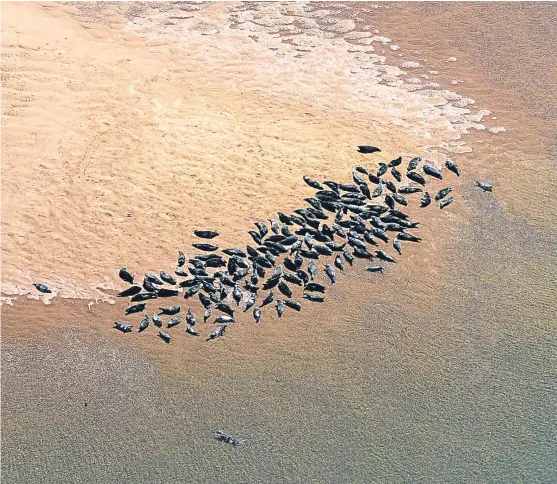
<point>397,175</point>
<point>174,322</point>
<point>217,332</point>
<point>237,294</point>
<point>390,186</point>
<point>375,269</point>
<point>381,254</point>
<point>397,246</point>
<point>368,149</point>
<point>205,234</point>
<point>330,271</point>
<point>164,336</point>
<point>207,314</point>
<point>400,199</point>
<point>170,311</point>
<point>432,171</point>
<point>451,165</point>
<point>181,258</point>
<point>294,279</point>
<point>269,298</point>
<point>313,183</point>
<point>191,291</point>
<point>315,287</point>
<point>224,319</point>
<point>137,308</point>
<point>257,314</point>
<point>426,200</point>
<point>284,289</point>
<point>124,328</point>
<point>153,279</point>
<point>381,170</point>
<point>406,190</point>
<point>157,320</point>
<point>250,302</point>
<point>445,202</point>
<point>144,296</point>
<point>390,201</point>
<point>413,163</point>
<point>125,275</point>
<point>296,306</point>
<point>206,247</point>
<point>378,190</point>
<point>443,193</point>
<point>229,439</point>
<point>486,187</point>
<point>395,162</point>
<point>144,323</point>
<point>132,291</point>
<point>166,277</point>
<point>348,257</point>
<point>280,307</point>
<point>190,317</point>
<point>338,262</point>
<point>408,237</point>
<point>416,177</point>
<point>274,226</point>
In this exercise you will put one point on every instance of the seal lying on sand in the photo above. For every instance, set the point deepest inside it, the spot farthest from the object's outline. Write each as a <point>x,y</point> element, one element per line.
<point>125,328</point>
<point>205,234</point>
<point>126,275</point>
<point>486,187</point>
<point>368,149</point>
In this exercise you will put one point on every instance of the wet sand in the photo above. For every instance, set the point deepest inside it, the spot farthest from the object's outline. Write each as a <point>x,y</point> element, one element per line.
<point>441,370</point>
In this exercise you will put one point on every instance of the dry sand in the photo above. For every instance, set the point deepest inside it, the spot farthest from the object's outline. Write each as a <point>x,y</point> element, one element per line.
<point>187,117</point>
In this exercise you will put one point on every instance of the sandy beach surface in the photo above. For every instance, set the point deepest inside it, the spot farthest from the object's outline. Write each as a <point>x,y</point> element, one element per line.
<point>126,126</point>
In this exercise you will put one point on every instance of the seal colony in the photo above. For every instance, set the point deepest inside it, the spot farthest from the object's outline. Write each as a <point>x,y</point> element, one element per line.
<point>367,215</point>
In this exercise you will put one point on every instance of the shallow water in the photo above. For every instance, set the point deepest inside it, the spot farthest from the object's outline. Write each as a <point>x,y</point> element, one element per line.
<point>441,370</point>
